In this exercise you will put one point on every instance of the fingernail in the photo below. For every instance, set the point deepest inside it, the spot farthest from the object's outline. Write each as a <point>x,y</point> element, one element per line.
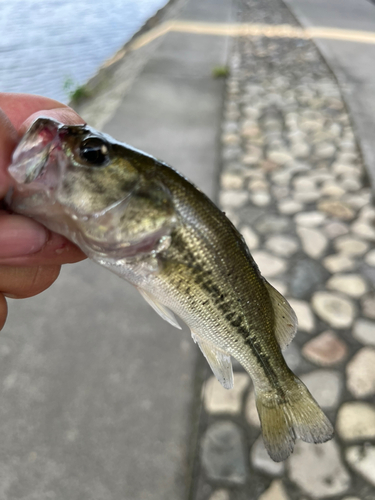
<point>20,236</point>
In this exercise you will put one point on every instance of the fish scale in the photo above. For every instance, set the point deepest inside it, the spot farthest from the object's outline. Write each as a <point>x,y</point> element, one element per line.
<point>142,220</point>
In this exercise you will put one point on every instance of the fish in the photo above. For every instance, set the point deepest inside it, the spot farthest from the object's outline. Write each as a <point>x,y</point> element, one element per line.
<point>144,221</point>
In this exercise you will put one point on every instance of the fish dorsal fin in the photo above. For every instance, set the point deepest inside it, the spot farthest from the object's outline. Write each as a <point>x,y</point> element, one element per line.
<point>163,311</point>
<point>219,361</point>
<point>285,318</point>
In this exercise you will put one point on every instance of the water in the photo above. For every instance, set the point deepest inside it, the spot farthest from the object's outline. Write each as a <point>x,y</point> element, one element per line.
<point>44,45</point>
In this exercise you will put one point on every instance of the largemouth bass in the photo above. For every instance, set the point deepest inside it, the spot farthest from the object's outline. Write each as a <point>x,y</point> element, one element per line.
<point>142,220</point>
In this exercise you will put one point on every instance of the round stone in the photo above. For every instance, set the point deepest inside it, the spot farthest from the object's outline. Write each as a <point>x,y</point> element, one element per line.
<point>344,169</point>
<point>281,178</point>
<point>356,200</point>
<point>269,265</point>
<point>334,229</point>
<point>361,373</point>
<point>261,460</point>
<point>337,311</point>
<point>325,386</point>
<point>351,184</point>
<point>290,206</point>
<point>306,196</point>
<point>325,150</point>
<point>230,139</point>
<point>250,237</point>
<point>281,192</point>
<point>313,241</point>
<point>223,457</point>
<point>303,184</point>
<point>368,305</point>
<point>337,263</point>
<point>370,258</point>
<point>368,213</point>
<point>300,150</point>
<point>279,157</point>
<point>233,199</point>
<point>258,185</point>
<point>348,245</point>
<point>275,492</point>
<point>364,331</point>
<point>362,460</point>
<point>310,219</point>
<point>304,277</point>
<point>306,321</point>
<point>251,111</point>
<point>292,356</point>
<point>350,284</point>
<point>364,229</point>
<point>272,224</point>
<point>261,198</point>
<point>231,181</point>
<point>219,400</point>
<point>332,190</point>
<point>356,420</point>
<point>220,495</point>
<point>311,125</point>
<point>282,245</point>
<point>347,158</point>
<point>337,209</point>
<point>325,350</point>
<point>230,152</point>
<point>318,469</point>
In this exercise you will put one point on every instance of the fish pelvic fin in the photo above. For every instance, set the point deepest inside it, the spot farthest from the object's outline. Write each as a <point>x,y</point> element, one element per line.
<point>285,318</point>
<point>161,309</point>
<point>219,361</point>
<point>293,415</point>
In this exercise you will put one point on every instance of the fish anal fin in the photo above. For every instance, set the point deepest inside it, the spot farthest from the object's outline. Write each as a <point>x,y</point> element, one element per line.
<point>219,361</point>
<point>162,310</point>
<point>285,318</point>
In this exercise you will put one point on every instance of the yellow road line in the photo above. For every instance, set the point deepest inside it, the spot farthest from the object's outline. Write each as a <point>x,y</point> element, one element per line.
<point>245,29</point>
<point>248,29</point>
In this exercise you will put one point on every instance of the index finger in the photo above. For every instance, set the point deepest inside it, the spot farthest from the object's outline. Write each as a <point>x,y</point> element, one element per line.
<point>21,107</point>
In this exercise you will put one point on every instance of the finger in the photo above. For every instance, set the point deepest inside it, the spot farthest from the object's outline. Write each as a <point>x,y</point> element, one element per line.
<point>3,310</point>
<point>18,107</point>
<point>63,115</point>
<point>8,141</point>
<point>20,236</point>
<point>22,282</point>
<point>57,250</point>
<point>24,242</point>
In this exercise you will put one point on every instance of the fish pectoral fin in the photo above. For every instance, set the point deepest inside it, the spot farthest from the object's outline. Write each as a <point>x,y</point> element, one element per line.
<point>219,361</point>
<point>285,318</point>
<point>163,311</point>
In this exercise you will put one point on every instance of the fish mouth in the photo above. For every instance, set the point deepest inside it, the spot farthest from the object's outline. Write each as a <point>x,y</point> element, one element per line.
<point>39,148</point>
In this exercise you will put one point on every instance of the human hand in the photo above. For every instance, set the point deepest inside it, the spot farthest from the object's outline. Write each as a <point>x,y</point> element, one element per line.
<point>30,255</point>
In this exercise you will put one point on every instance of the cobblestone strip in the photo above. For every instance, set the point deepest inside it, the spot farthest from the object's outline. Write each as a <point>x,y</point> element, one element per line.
<point>294,184</point>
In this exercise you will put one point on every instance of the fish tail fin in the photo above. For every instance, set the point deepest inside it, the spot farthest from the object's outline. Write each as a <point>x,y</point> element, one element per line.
<point>293,415</point>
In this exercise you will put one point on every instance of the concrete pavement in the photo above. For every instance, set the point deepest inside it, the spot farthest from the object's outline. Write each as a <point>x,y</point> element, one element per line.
<point>98,391</point>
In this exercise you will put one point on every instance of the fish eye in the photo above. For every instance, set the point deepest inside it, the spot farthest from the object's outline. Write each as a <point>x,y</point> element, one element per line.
<point>94,151</point>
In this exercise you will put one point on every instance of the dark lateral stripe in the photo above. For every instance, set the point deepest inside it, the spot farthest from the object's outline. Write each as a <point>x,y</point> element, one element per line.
<point>262,358</point>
